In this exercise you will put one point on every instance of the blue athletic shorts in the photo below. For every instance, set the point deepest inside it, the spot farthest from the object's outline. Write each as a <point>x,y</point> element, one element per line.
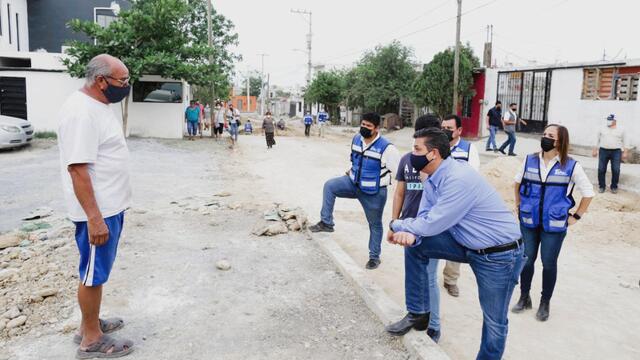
<point>96,261</point>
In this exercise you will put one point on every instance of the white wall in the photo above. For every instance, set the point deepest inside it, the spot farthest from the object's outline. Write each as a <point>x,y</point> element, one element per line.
<point>490,97</point>
<point>16,7</point>
<point>159,120</point>
<point>583,117</point>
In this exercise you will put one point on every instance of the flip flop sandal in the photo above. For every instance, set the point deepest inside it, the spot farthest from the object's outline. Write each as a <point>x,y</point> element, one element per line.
<point>107,326</point>
<point>100,349</point>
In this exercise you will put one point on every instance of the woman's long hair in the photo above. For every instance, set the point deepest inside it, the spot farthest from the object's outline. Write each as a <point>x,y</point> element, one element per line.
<point>563,142</point>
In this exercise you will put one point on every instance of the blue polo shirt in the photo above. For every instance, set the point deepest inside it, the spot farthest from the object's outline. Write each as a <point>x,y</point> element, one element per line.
<point>192,114</point>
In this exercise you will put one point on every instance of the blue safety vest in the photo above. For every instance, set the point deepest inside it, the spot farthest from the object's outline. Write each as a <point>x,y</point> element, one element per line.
<point>461,151</point>
<point>308,120</point>
<point>248,128</point>
<point>322,116</point>
<point>546,203</point>
<point>366,165</point>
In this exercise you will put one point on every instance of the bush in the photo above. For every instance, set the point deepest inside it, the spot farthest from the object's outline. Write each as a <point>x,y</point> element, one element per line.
<point>45,135</point>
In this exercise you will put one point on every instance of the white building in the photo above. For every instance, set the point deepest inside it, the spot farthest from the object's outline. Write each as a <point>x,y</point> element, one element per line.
<point>14,28</point>
<point>34,85</point>
<point>579,96</point>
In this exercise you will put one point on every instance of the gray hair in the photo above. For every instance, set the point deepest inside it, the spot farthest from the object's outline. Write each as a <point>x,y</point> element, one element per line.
<point>100,65</point>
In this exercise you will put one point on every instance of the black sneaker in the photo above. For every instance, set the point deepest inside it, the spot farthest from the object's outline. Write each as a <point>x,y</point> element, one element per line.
<point>321,227</point>
<point>513,154</point>
<point>601,190</point>
<point>502,151</point>
<point>487,149</point>
<point>373,264</point>
<point>614,191</point>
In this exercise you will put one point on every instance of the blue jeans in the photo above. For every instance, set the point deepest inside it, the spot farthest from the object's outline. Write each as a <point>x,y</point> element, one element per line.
<point>491,141</point>
<point>496,275</point>
<point>192,128</point>
<point>550,244</point>
<point>511,141</point>
<point>427,279</point>
<point>604,156</point>
<point>233,131</point>
<point>373,206</point>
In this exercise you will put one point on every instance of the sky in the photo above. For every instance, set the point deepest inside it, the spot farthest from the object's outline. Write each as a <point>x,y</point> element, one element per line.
<point>524,31</point>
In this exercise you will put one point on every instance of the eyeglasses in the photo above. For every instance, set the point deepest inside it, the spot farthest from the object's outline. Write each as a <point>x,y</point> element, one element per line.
<point>123,82</point>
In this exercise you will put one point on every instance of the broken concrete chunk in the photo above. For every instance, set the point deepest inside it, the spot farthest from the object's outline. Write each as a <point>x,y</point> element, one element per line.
<point>222,194</point>
<point>46,292</point>
<point>19,321</point>
<point>39,213</point>
<point>7,273</point>
<point>9,240</point>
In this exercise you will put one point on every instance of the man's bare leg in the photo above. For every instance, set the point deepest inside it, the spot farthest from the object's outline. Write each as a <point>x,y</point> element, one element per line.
<point>90,298</point>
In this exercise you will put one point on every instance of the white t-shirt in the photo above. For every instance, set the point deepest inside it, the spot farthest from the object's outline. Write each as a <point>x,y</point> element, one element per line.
<point>90,133</point>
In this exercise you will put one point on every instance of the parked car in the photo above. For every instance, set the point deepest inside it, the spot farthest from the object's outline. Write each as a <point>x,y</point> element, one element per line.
<point>14,132</point>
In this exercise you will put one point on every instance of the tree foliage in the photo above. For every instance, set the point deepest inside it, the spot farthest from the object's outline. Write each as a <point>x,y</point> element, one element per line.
<point>328,89</point>
<point>434,86</point>
<point>381,78</point>
<point>160,37</point>
<point>255,83</point>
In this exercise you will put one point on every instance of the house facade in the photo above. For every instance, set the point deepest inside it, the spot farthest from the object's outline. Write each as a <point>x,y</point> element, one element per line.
<point>579,96</point>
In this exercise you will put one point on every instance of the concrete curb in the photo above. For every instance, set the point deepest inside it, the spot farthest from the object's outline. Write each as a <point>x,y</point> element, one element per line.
<point>418,344</point>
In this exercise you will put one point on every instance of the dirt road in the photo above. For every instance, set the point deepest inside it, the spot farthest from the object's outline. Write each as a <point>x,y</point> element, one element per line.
<point>281,299</point>
<point>595,312</point>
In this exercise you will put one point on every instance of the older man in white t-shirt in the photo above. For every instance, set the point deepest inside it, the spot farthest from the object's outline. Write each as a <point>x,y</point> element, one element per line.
<point>95,178</point>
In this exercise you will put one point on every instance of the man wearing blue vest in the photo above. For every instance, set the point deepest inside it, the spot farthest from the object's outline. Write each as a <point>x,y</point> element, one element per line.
<point>373,161</point>
<point>461,150</point>
<point>464,219</point>
<point>308,120</point>
<point>323,118</point>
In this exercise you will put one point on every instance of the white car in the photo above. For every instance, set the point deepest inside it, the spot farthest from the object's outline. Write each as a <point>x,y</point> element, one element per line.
<point>14,132</point>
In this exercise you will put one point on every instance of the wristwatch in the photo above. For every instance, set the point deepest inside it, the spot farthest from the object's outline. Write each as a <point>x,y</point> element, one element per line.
<point>576,216</point>
<point>390,225</point>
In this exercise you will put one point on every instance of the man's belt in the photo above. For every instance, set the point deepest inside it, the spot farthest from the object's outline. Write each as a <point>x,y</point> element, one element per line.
<point>500,248</point>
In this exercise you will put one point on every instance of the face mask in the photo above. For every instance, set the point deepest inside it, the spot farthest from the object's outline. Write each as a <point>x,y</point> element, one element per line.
<point>449,134</point>
<point>547,144</point>
<point>365,132</point>
<point>419,162</point>
<point>115,94</point>
<point>609,123</point>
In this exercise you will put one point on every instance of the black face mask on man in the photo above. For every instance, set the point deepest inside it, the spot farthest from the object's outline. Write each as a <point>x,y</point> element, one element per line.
<point>547,144</point>
<point>115,94</point>
<point>449,134</point>
<point>366,132</point>
<point>419,162</point>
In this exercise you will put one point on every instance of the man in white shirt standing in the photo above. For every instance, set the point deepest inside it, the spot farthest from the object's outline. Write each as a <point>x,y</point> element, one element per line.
<point>94,162</point>
<point>509,122</point>
<point>461,150</point>
<point>611,145</point>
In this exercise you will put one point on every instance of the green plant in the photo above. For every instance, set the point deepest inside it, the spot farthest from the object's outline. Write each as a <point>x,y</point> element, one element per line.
<point>45,135</point>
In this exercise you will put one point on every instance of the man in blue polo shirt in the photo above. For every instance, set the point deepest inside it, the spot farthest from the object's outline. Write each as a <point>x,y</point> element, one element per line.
<point>461,218</point>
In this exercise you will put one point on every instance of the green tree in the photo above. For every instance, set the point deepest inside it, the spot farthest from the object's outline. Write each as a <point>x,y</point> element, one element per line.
<point>328,89</point>
<point>381,78</point>
<point>158,37</point>
<point>434,86</point>
<point>255,83</point>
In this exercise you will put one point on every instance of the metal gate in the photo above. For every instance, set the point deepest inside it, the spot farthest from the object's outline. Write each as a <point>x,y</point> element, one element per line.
<point>530,90</point>
<point>13,97</point>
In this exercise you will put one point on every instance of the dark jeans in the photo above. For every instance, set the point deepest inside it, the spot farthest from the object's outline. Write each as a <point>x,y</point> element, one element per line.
<point>550,244</point>
<point>270,139</point>
<point>604,156</point>
<point>496,275</point>
<point>373,206</point>
<point>307,129</point>
<point>511,141</point>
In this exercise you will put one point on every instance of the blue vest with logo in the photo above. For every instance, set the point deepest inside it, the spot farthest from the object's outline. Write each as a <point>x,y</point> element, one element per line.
<point>366,165</point>
<point>248,128</point>
<point>322,116</point>
<point>546,203</point>
<point>461,151</point>
<point>308,120</point>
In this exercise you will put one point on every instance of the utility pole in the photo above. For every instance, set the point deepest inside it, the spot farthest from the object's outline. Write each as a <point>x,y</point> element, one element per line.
<point>210,39</point>
<point>306,12</point>
<point>262,83</point>
<point>456,60</point>
<point>248,92</point>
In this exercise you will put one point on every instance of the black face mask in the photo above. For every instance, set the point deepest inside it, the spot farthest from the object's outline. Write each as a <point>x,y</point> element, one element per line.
<point>419,162</point>
<point>547,144</point>
<point>365,132</point>
<point>449,134</point>
<point>115,94</point>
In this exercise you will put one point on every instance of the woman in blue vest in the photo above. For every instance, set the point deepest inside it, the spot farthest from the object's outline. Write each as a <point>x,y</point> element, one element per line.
<point>544,199</point>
